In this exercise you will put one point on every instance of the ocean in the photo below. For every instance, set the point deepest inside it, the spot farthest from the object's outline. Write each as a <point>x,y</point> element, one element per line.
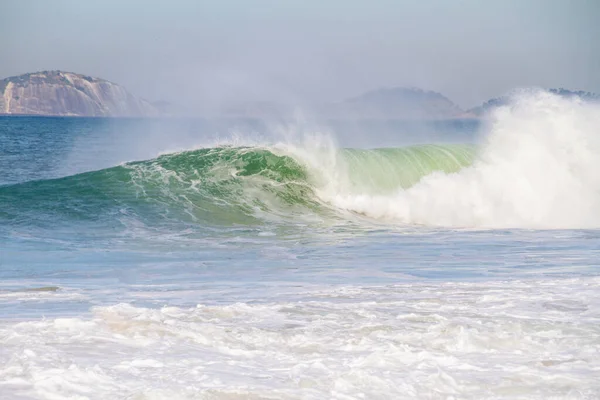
<point>236,259</point>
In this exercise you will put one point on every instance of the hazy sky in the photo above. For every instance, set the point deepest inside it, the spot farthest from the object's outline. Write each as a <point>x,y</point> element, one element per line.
<point>207,52</point>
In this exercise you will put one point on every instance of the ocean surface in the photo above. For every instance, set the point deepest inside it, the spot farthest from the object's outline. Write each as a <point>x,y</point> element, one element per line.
<point>195,259</point>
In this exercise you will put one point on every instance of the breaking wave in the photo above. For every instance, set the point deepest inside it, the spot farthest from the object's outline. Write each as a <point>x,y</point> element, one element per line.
<point>226,185</point>
<point>538,168</point>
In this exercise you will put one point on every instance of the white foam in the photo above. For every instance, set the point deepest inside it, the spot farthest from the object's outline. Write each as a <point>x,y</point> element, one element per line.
<point>495,340</point>
<point>41,294</point>
<point>539,168</point>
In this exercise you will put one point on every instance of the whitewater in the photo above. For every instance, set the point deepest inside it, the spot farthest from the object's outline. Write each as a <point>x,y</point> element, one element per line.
<point>148,260</point>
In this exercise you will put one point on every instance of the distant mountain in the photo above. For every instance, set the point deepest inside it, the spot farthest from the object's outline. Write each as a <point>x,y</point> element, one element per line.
<point>384,104</point>
<point>503,100</point>
<point>395,103</point>
<point>69,94</point>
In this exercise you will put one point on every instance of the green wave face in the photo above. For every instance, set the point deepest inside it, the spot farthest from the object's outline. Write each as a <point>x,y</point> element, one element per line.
<point>222,186</point>
<point>382,171</point>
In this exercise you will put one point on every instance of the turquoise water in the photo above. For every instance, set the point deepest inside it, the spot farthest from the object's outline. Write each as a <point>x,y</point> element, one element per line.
<point>152,259</point>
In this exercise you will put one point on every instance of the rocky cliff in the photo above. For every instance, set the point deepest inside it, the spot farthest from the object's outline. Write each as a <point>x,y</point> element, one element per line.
<point>69,94</point>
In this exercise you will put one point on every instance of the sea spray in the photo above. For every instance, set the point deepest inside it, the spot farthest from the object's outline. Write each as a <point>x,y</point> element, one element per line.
<point>539,167</point>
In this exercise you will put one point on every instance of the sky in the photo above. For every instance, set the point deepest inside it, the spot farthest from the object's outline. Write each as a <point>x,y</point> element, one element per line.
<point>207,53</point>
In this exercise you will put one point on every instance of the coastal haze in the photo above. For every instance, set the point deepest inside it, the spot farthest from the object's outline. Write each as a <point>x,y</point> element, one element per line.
<point>209,54</point>
<point>299,200</point>
<point>59,93</point>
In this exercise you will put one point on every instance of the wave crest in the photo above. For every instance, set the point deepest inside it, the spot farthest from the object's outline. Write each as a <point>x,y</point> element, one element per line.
<point>230,185</point>
<point>538,168</point>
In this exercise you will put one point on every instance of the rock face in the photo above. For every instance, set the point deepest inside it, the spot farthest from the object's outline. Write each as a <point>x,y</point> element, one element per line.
<point>401,103</point>
<point>69,94</point>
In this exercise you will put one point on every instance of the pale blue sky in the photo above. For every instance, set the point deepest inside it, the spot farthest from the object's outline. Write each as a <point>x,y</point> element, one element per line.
<point>210,52</point>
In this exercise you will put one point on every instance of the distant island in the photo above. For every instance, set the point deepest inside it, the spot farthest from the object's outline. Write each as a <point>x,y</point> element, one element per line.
<point>397,103</point>
<point>385,103</point>
<point>60,93</point>
<point>504,100</point>
<point>394,103</point>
